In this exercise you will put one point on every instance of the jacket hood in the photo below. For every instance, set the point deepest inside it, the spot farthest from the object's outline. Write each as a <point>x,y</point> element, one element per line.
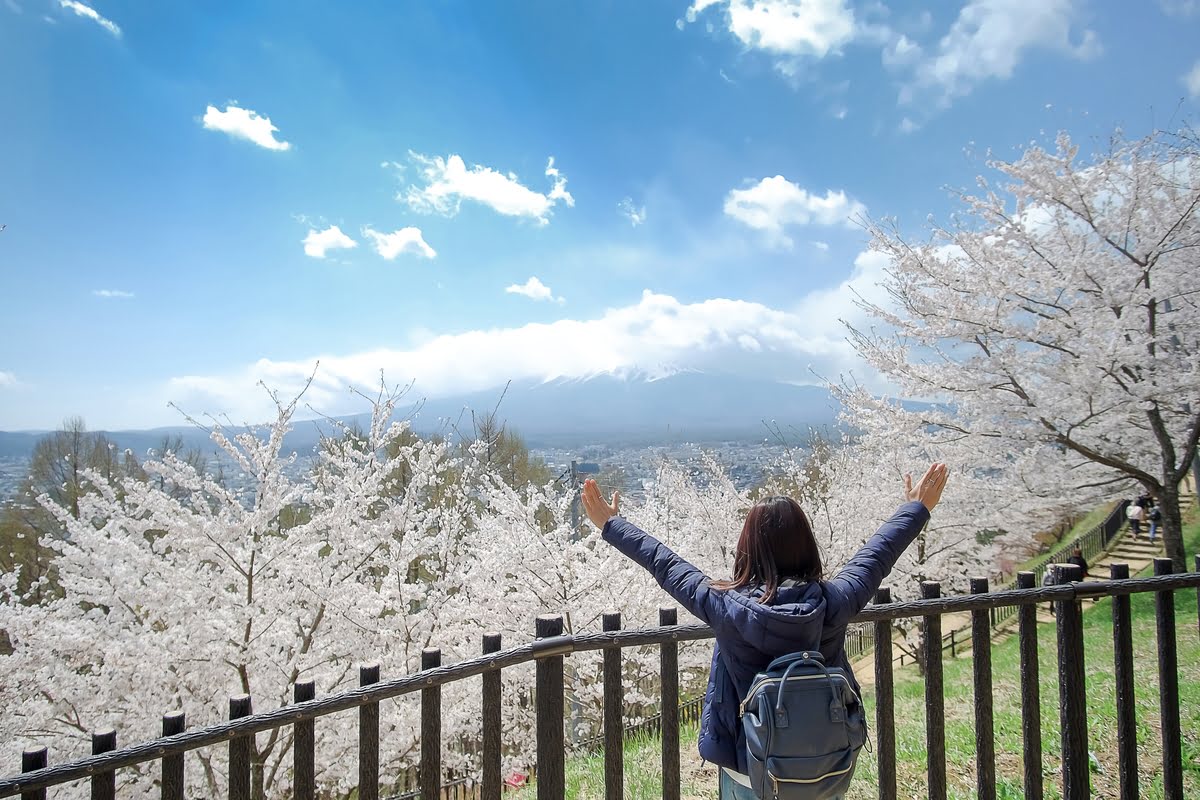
<point>793,621</point>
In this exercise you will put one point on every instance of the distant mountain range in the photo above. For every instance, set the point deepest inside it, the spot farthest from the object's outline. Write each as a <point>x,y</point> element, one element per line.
<point>687,406</point>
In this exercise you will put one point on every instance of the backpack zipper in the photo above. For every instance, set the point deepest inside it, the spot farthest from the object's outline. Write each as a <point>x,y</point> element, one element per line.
<point>767,681</point>
<point>775,779</point>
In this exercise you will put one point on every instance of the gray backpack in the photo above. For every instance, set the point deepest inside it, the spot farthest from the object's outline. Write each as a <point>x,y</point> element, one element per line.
<point>804,726</point>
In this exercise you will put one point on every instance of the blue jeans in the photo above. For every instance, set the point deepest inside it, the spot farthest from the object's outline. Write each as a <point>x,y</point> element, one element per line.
<point>1153,529</point>
<point>732,790</point>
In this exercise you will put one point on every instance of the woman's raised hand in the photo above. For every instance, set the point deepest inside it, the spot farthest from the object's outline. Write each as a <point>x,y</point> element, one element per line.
<point>598,511</point>
<point>928,490</point>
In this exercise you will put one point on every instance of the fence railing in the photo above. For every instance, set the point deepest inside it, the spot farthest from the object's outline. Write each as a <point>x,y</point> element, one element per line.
<point>551,646</point>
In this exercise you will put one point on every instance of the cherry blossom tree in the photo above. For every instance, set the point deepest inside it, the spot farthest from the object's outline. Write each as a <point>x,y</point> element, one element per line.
<point>1057,316</point>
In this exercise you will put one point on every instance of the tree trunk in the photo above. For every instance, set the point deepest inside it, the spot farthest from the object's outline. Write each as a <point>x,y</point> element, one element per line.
<point>1172,526</point>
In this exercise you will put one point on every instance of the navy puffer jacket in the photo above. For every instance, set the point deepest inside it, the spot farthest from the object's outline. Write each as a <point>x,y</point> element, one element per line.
<point>750,634</point>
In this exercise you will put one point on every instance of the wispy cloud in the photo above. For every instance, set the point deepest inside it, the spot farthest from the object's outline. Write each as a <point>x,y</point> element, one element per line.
<point>635,214</point>
<point>1192,80</point>
<point>242,123</point>
<point>405,240</point>
<point>318,243</point>
<point>112,293</point>
<point>88,12</point>
<point>773,204</point>
<point>657,335</point>
<point>785,28</point>
<point>447,182</point>
<point>8,380</point>
<point>988,40</point>
<point>534,289</point>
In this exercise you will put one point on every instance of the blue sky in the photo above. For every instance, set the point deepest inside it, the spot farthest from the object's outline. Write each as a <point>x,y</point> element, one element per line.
<point>165,242</point>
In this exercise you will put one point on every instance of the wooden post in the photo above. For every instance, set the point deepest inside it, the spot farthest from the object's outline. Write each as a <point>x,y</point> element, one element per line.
<point>1168,687</point>
<point>492,786</point>
<point>935,703</point>
<point>304,739</point>
<point>614,755</point>
<point>240,749</point>
<point>981,658</point>
<point>1031,706</point>
<point>368,737</point>
<point>885,707</point>
<point>104,784</point>
<point>1123,677</point>
<point>33,759</point>
<point>551,773</point>
<point>431,729</point>
<point>1072,689</point>
<point>669,670</point>
<point>172,766</point>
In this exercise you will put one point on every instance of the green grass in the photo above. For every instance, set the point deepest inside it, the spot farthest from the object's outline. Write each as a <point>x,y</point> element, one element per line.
<point>585,775</point>
<point>643,771</point>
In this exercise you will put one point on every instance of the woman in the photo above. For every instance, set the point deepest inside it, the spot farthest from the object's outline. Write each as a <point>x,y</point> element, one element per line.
<point>776,603</point>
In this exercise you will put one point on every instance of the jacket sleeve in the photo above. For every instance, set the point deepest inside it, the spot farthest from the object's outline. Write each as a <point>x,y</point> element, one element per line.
<point>856,583</point>
<point>687,584</point>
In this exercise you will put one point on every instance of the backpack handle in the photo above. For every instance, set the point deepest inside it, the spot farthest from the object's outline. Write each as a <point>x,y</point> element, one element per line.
<point>837,710</point>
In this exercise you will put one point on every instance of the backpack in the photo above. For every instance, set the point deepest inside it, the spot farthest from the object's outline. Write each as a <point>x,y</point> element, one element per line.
<point>804,726</point>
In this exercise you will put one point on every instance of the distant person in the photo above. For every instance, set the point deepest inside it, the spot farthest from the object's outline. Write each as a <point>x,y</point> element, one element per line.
<point>1154,517</point>
<point>1078,560</point>
<point>777,602</point>
<point>1134,513</point>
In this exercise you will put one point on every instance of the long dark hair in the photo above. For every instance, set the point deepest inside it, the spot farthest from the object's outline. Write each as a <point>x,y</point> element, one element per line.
<point>777,542</point>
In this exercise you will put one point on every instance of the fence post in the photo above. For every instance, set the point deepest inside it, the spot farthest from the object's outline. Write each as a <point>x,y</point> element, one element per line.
<point>1168,687</point>
<point>935,717</point>
<point>614,756</point>
<point>33,759</point>
<point>431,729</point>
<point>1031,703</point>
<point>1072,689</point>
<point>172,766</point>
<point>240,748</point>
<point>981,667</point>
<point>368,737</point>
<point>491,723</point>
<point>885,704</point>
<point>669,707</point>
<point>304,739</point>
<point>551,778</point>
<point>104,784</point>
<point>1123,677</point>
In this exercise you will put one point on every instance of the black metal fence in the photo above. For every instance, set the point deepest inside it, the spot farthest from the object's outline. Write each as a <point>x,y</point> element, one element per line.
<point>551,646</point>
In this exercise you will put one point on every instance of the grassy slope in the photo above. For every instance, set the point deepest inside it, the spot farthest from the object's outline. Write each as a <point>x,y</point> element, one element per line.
<point>960,732</point>
<point>585,775</point>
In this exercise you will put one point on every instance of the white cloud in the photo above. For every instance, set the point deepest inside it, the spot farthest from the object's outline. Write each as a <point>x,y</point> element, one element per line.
<point>88,12</point>
<point>901,52</point>
<point>8,380</point>
<point>448,181</point>
<point>318,243</point>
<point>534,289</point>
<point>1179,8</point>
<point>822,246</point>
<point>112,293</point>
<point>405,240</point>
<point>242,123</point>
<point>634,214</point>
<point>990,37</point>
<point>657,335</point>
<point>908,125</point>
<point>775,203</point>
<point>1192,80</point>
<point>790,28</point>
